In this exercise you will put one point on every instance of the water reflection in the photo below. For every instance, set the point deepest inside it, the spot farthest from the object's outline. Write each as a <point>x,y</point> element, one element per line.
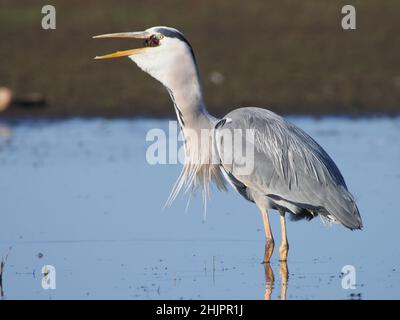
<point>270,280</point>
<point>1,289</point>
<point>5,131</point>
<point>2,267</point>
<point>98,223</point>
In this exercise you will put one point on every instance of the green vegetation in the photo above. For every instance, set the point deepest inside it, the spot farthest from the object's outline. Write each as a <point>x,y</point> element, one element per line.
<point>290,56</point>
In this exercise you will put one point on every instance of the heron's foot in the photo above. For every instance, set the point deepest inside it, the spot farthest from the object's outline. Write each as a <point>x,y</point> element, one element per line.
<point>269,249</point>
<point>283,252</point>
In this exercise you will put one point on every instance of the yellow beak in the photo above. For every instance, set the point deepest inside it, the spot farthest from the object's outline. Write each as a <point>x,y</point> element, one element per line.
<point>134,35</point>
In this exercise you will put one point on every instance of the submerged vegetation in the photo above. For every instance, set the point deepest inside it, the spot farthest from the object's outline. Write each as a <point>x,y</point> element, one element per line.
<point>2,267</point>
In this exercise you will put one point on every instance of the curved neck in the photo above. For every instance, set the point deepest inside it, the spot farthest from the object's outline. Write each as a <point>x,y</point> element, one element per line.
<point>186,94</point>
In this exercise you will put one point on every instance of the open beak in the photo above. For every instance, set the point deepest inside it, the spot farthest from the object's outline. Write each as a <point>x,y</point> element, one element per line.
<point>134,35</point>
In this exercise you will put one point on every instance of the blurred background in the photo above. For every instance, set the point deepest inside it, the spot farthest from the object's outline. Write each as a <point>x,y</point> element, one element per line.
<point>76,190</point>
<point>290,56</point>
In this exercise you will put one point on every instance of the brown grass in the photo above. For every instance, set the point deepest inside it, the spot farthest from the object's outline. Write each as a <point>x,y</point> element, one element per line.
<point>290,56</point>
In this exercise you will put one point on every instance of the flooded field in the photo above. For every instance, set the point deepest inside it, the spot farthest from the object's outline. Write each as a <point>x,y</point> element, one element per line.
<point>79,195</point>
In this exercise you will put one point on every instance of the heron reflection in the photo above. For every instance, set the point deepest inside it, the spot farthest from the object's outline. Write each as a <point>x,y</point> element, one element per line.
<point>270,280</point>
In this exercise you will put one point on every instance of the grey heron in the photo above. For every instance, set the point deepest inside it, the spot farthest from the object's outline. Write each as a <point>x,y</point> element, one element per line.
<point>292,173</point>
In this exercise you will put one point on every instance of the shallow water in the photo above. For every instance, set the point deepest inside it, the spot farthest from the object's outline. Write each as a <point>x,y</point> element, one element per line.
<point>79,195</point>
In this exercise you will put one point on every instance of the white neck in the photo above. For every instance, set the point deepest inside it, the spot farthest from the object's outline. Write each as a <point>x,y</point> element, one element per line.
<point>198,170</point>
<point>189,105</point>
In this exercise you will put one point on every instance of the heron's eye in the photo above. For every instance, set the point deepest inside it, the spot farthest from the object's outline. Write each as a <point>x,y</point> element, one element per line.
<point>154,40</point>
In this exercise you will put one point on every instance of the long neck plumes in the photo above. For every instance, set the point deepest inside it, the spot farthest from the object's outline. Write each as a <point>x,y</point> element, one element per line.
<point>197,126</point>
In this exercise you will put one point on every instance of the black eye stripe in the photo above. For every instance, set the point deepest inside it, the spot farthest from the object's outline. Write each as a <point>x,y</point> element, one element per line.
<point>173,34</point>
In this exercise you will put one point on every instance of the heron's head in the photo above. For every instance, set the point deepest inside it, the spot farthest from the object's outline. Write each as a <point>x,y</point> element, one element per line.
<point>165,54</point>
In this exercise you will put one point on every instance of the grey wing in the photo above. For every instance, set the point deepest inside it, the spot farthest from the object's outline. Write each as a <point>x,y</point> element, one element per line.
<point>289,167</point>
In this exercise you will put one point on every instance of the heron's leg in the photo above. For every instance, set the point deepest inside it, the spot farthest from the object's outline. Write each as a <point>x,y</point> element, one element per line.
<point>284,247</point>
<point>269,281</point>
<point>269,245</point>
<point>283,270</point>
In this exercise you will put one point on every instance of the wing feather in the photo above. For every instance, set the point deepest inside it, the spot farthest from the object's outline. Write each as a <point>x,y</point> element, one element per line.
<point>290,165</point>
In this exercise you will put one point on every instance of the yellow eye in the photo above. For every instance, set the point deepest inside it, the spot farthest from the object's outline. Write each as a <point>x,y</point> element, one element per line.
<point>159,36</point>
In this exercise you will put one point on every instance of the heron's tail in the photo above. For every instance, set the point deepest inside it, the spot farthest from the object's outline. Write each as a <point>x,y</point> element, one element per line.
<point>341,206</point>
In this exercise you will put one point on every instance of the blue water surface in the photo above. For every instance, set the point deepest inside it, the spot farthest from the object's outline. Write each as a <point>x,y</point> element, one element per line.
<point>79,195</point>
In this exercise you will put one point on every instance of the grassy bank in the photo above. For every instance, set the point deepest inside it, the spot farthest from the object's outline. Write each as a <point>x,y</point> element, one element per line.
<point>290,56</point>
